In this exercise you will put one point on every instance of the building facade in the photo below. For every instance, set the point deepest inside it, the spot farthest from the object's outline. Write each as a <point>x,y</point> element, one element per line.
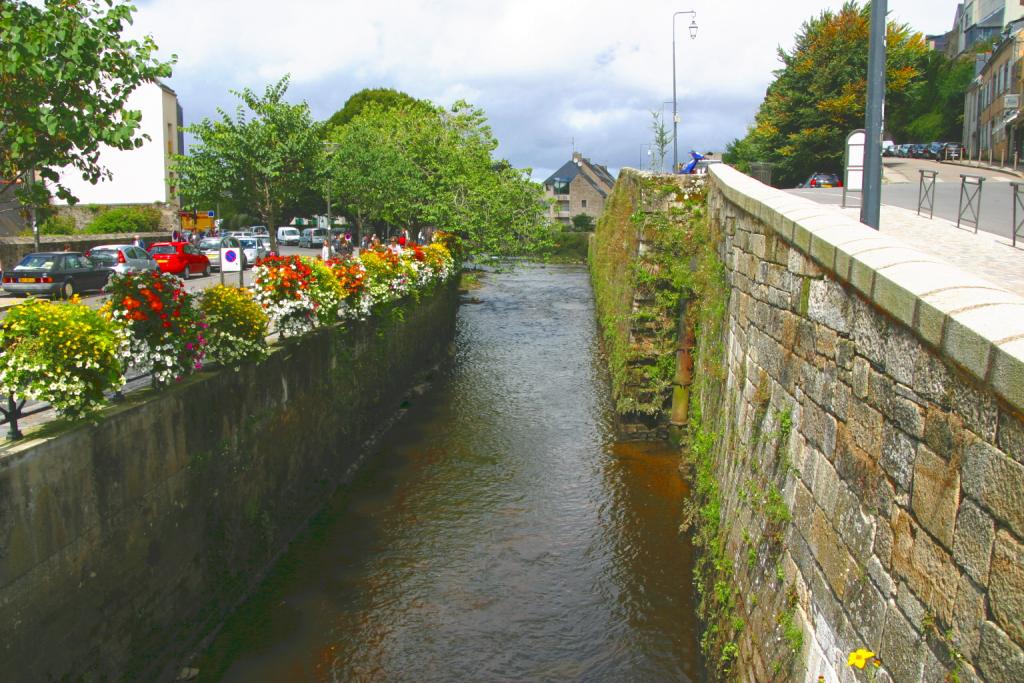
<point>980,20</point>
<point>993,100</point>
<point>578,187</point>
<point>141,175</point>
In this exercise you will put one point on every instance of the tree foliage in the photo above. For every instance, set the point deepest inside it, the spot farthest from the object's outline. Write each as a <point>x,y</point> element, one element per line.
<point>65,77</point>
<point>260,159</point>
<point>418,166</point>
<point>818,96</point>
<point>385,98</point>
<point>935,108</point>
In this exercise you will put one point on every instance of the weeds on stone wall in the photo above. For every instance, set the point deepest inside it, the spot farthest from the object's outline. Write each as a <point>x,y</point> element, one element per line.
<point>640,292</point>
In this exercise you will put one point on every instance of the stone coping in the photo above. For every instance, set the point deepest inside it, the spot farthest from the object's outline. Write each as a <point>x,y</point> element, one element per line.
<point>965,318</point>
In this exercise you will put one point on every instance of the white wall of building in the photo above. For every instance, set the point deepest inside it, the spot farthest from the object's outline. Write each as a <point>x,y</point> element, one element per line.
<point>139,176</point>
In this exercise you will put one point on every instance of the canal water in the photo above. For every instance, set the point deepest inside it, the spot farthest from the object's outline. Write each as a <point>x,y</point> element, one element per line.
<point>498,533</point>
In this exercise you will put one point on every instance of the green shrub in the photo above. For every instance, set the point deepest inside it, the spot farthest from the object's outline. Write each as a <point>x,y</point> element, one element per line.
<point>58,225</point>
<point>126,219</point>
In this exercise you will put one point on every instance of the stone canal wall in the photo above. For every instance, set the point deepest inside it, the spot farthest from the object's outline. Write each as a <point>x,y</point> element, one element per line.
<point>858,449</point>
<point>124,542</point>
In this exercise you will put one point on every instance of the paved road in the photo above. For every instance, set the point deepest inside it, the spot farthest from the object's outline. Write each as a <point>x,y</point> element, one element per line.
<point>196,284</point>
<point>901,189</point>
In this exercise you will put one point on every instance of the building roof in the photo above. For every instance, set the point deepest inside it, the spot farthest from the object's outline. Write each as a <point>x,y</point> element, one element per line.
<point>572,168</point>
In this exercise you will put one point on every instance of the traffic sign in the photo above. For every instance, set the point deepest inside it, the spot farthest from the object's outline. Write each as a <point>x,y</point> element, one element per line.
<point>211,213</point>
<point>231,260</point>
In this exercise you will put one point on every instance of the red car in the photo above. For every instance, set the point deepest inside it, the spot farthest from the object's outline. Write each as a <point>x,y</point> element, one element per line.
<point>180,258</point>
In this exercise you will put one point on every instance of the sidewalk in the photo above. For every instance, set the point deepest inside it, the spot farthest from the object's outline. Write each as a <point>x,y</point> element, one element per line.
<point>986,167</point>
<point>988,256</point>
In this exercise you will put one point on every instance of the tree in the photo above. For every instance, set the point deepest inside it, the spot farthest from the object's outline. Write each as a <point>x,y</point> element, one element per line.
<point>419,166</point>
<point>583,222</point>
<point>262,158</point>
<point>818,96</point>
<point>661,142</point>
<point>385,98</point>
<point>65,76</point>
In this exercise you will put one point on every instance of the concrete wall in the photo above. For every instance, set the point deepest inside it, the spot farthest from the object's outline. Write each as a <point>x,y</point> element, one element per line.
<point>125,541</point>
<point>880,392</point>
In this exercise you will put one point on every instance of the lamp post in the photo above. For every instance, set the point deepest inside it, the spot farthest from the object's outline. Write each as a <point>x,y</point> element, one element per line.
<point>675,103</point>
<point>872,192</point>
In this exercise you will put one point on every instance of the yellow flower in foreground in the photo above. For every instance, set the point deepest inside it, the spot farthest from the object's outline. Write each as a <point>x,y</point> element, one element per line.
<point>859,657</point>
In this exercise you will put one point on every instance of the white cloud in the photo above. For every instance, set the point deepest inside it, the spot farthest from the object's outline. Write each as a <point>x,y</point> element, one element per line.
<point>545,72</point>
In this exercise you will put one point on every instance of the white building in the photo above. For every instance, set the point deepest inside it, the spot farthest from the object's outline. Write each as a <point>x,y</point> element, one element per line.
<point>141,175</point>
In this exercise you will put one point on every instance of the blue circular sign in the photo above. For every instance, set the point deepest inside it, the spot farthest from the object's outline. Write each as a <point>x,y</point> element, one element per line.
<point>231,255</point>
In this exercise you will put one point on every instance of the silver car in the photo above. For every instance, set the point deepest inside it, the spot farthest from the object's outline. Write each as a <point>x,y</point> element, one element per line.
<point>123,258</point>
<point>253,249</point>
<point>211,246</point>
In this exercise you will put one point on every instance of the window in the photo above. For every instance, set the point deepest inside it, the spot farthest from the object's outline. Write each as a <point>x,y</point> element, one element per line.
<point>583,203</point>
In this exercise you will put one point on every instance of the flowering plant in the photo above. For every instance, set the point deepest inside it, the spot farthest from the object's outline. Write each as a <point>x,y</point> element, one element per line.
<point>281,287</point>
<point>388,275</point>
<point>237,325</point>
<point>326,291</point>
<point>63,353</point>
<point>439,260</point>
<point>451,242</point>
<point>351,275</point>
<point>163,324</point>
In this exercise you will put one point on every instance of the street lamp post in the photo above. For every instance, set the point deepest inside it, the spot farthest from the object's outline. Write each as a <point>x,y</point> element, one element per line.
<point>675,103</point>
<point>872,192</point>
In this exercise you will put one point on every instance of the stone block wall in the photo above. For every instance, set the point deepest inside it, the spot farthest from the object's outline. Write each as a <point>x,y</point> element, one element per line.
<point>13,249</point>
<point>868,449</point>
<point>125,541</point>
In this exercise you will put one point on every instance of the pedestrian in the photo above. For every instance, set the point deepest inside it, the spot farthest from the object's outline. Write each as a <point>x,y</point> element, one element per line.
<point>403,237</point>
<point>325,249</point>
<point>137,242</point>
<point>420,238</point>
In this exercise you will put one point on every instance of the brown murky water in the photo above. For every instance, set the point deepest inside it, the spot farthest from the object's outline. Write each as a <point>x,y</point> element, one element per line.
<point>499,534</point>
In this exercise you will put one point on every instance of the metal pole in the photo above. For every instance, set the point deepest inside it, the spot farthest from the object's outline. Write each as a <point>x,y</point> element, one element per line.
<point>675,102</point>
<point>872,197</point>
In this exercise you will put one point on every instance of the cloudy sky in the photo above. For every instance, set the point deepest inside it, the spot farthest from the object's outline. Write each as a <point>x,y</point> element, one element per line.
<point>548,74</point>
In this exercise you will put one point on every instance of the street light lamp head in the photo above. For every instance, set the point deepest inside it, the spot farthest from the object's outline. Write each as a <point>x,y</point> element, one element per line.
<point>693,29</point>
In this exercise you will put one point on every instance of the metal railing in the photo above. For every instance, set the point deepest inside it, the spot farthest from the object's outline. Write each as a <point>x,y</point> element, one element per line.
<point>1017,229</point>
<point>926,192</point>
<point>970,190</point>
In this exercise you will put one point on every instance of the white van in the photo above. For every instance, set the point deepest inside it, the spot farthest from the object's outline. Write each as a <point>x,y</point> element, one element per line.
<point>287,235</point>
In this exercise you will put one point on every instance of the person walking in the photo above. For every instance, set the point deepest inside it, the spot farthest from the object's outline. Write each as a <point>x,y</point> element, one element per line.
<point>137,242</point>
<point>325,249</point>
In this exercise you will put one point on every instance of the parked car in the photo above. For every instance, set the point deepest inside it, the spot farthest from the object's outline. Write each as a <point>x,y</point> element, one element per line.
<point>904,150</point>
<point>252,249</point>
<point>918,151</point>
<point>312,237</point>
<point>259,231</point>
<point>123,258</point>
<point>180,258</point>
<point>211,247</point>
<point>952,151</point>
<point>822,180</point>
<point>55,274</point>
<point>888,148</point>
<point>935,151</point>
<point>286,235</point>
<point>267,251</point>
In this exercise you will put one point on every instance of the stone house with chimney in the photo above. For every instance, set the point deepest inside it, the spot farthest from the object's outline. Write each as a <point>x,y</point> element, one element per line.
<point>579,186</point>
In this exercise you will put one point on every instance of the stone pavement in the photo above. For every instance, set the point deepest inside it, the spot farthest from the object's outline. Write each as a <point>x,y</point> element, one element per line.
<point>985,255</point>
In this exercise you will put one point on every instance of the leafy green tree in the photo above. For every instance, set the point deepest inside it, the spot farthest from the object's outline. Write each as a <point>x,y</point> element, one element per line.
<point>935,109</point>
<point>384,98</point>
<point>260,159</point>
<point>583,222</point>
<point>65,77</point>
<point>818,96</point>
<point>417,166</point>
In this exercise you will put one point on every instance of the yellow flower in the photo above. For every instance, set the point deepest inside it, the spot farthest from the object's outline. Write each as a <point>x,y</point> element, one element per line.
<point>859,657</point>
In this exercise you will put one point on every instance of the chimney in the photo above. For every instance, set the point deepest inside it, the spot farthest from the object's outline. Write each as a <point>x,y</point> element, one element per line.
<point>577,157</point>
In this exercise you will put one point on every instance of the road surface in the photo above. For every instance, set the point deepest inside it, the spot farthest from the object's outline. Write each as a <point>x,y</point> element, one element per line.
<point>901,186</point>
